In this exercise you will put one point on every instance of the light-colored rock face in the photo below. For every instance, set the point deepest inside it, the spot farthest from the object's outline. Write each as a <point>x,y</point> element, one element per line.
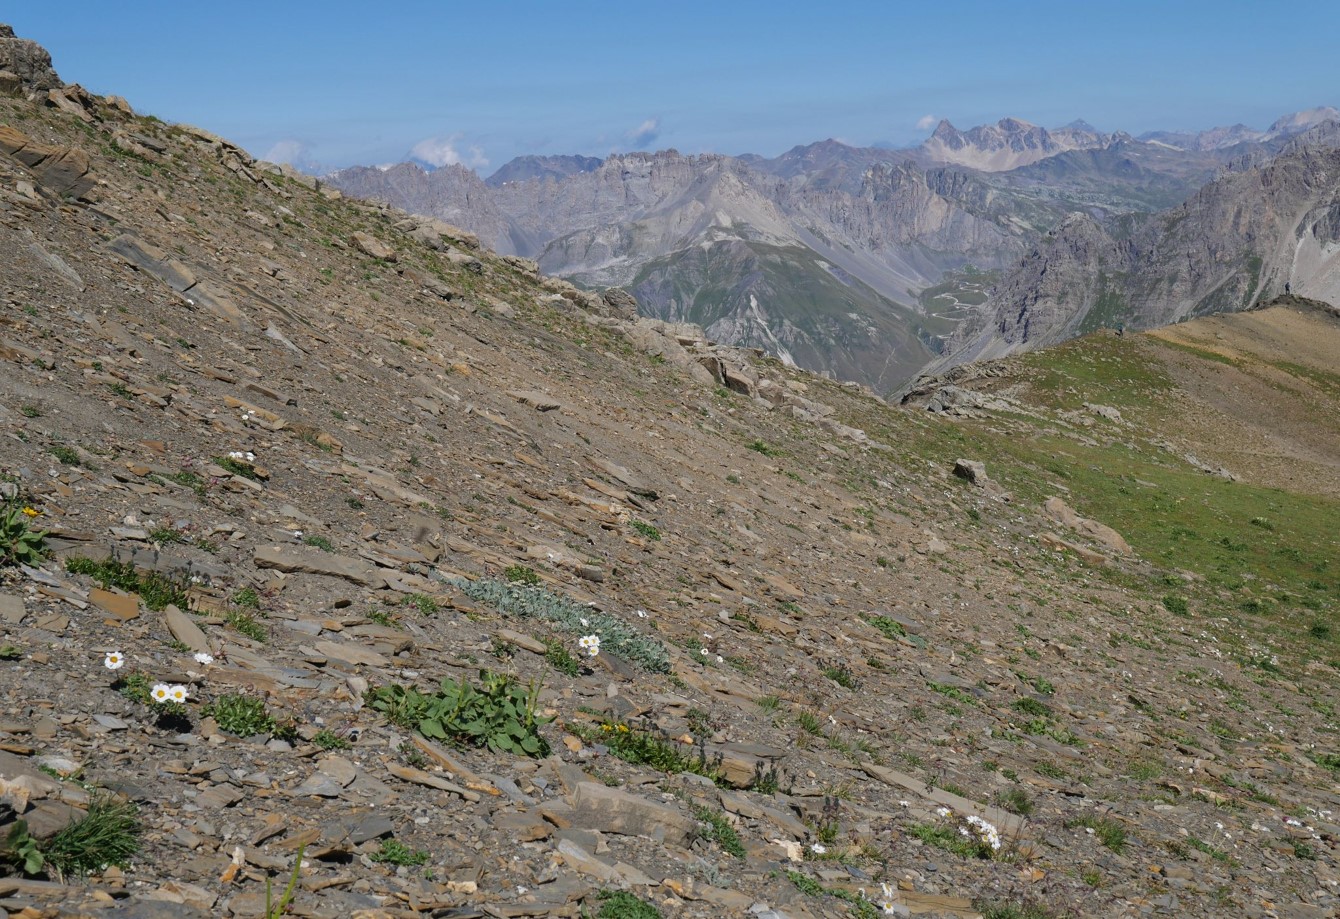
<point>1008,144</point>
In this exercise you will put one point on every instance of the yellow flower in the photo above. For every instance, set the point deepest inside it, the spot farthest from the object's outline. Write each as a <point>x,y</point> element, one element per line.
<point>32,512</point>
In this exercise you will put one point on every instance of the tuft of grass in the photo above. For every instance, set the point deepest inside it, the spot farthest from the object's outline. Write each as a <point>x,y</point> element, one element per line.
<point>620,904</point>
<point>759,446</point>
<point>560,658</point>
<point>319,542</point>
<point>247,598</point>
<point>247,624</point>
<point>1011,909</point>
<point>236,467</point>
<point>1032,707</point>
<point>66,456</point>
<point>1016,801</point>
<point>395,852</point>
<point>108,834</point>
<point>809,723</point>
<point>718,829</point>
<point>327,739</point>
<point>841,675</point>
<point>648,746</point>
<point>245,716</point>
<point>768,703</point>
<point>1109,831</point>
<point>1175,605</point>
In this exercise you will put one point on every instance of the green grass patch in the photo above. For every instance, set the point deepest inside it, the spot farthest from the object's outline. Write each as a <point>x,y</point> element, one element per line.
<point>156,590</point>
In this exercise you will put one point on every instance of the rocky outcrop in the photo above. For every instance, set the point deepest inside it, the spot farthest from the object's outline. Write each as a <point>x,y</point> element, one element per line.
<point>25,66</point>
<point>64,171</point>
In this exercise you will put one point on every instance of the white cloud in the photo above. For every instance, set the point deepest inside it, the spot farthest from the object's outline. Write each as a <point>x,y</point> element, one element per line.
<point>293,152</point>
<point>444,151</point>
<point>926,122</point>
<point>645,134</point>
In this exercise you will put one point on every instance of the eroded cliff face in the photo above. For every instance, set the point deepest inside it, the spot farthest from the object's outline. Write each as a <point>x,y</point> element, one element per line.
<point>1237,241</point>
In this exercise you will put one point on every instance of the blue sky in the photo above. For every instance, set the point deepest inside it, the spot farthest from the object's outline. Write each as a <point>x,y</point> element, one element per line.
<point>339,82</point>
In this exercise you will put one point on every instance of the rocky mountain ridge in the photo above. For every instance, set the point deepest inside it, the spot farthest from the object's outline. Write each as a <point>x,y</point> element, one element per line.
<point>880,227</point>
<point>1237,242</point>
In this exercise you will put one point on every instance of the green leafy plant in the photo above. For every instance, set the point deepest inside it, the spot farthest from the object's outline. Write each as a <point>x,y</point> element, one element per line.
<point>247,597</point>
<point>426,605</point>
<point>10,652</point>
<point>66,456</point>
<point>242,715</point>
<point>646,530</point>
<point>501,715</point>
<point>319,542</point>
<point>22,850</point>
<point>521,574</point>
<point>759,446</point>
<point>20,544</point>
<point>395,852</point>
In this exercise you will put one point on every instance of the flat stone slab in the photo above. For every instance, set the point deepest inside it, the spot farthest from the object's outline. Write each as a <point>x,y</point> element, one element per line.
<point>314,561</point>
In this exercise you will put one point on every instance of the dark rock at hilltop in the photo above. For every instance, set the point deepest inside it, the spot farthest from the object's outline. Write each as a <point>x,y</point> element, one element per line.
<point>24,64</point>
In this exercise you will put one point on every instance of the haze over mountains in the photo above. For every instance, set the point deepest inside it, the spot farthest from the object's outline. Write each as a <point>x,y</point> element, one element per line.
<point>864,262</point>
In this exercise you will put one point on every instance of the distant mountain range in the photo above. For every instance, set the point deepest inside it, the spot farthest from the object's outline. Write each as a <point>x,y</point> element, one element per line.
<point>865,262</point>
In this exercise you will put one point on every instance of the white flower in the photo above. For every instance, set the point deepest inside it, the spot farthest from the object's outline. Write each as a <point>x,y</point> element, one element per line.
<point>177,693</point>
<point>817,848</point>
<point>888,901</point>
<point>703,652</point>
<point>161,692</point>
<point>114,660</point>
<point>943,811</point>
<point>590,644</point>
<point>904,803</point>
<point>720,659</point>
<point>642,614</point>
<point>202,657</point>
